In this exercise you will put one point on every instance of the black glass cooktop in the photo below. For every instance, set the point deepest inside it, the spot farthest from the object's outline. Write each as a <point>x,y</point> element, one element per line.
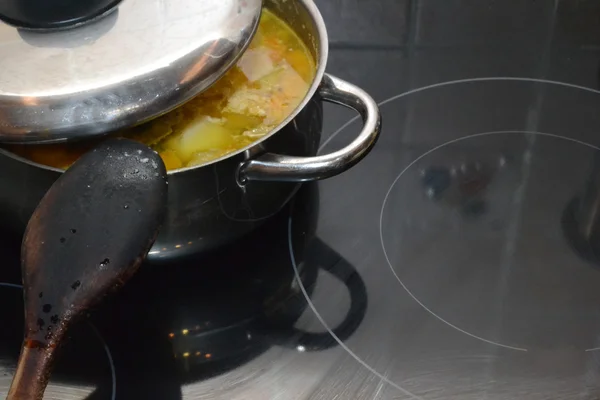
<point>459,260</point>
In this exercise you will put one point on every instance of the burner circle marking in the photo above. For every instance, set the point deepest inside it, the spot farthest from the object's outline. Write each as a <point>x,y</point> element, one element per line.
<point>458,81</point>
<point>326,326</point>
<point>408,291</point>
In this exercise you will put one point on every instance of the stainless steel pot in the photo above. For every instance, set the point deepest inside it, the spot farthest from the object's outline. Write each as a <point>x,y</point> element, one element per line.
<point>215,203</point>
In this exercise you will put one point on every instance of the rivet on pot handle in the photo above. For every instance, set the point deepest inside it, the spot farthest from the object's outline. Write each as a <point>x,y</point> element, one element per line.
<point>276,167</point>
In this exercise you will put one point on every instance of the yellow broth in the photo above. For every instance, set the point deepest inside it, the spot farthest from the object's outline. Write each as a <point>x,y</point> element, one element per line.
<point>268,82</point>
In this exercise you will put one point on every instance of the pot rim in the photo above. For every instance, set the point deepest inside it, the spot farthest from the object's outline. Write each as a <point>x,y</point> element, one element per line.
<point>323,52</point>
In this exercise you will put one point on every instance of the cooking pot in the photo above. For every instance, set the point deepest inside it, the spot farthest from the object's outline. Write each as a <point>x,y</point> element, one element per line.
<point>215,203</point>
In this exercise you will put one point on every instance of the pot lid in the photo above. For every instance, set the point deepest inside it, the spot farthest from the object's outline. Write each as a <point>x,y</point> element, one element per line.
<point>73,69</point>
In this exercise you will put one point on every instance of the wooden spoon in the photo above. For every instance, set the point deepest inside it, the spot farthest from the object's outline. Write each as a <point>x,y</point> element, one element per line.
<point>86,238</point>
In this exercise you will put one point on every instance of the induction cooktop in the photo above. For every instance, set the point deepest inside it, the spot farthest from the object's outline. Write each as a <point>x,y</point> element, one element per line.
<point>459,260</point>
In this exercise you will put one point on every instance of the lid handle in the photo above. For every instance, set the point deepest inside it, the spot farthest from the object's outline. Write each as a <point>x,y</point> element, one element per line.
<point>53,14</point>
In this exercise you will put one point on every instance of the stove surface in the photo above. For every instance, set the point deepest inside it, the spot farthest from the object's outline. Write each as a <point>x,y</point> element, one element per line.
<point>457,261</point>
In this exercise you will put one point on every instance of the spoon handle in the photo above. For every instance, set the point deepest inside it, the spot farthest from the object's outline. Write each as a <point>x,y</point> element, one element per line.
<point>32,361</point>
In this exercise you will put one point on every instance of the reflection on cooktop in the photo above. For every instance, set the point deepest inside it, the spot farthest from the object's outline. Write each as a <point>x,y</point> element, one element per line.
<point>176,325</point>
<point>526,320</point>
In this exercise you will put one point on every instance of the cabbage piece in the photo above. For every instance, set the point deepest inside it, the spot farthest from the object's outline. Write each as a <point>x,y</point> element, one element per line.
<point>170,159</point>
<point>201,135</point>
<point>256,63</point>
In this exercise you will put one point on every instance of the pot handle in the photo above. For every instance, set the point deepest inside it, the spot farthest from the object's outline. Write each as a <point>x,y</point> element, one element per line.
<point>277,167</point>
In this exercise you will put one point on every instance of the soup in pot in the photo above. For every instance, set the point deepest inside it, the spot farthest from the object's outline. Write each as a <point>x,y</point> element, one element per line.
<point>267,83</point>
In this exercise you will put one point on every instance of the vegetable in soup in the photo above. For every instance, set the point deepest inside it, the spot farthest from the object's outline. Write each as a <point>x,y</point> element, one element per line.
<point>268,82</point>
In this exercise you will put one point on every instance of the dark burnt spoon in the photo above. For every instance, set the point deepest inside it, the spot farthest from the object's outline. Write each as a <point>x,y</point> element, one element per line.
<point>87,237</point>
